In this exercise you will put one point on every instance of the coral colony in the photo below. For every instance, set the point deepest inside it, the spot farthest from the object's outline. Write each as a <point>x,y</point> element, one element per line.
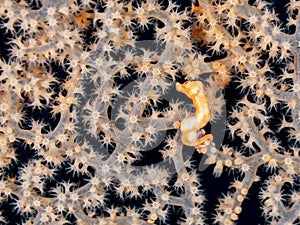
<point>149,112</point>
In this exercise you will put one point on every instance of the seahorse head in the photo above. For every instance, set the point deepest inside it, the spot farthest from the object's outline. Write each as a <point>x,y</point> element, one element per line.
<point>190,88</point>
